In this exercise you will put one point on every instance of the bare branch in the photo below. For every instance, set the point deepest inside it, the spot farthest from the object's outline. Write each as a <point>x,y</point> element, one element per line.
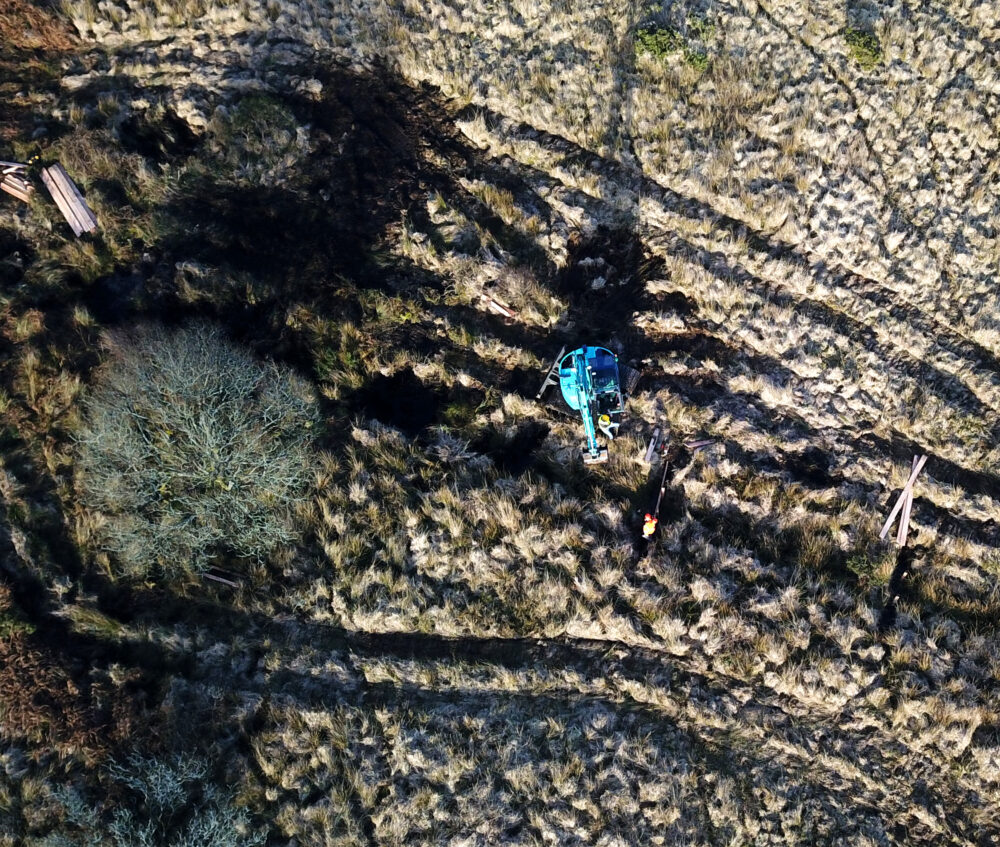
<point>192,447</point>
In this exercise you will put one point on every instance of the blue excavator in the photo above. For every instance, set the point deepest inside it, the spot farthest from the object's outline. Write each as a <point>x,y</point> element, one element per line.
<point>591,386</point>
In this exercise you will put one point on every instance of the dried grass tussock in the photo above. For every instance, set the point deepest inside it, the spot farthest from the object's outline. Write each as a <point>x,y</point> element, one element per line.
<point>394,607</point>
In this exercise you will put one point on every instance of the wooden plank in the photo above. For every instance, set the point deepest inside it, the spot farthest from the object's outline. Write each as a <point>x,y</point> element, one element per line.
<point>901,500</point>
<point>69,200</point>
<point>902,497</point>
<point>907,505</point>
<point>654,442</point>
<point>56,192</point>
<point>18,188</point>
<point>695,446</point>
<point>904,520</point>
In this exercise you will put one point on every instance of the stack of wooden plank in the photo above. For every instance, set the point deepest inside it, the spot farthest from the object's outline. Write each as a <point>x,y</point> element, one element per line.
<point>14,180</point>
<point>69,200</point>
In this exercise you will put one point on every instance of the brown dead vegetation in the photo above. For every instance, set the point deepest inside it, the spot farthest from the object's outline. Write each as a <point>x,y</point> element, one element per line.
<point>39,701</point>
<point>31,26</point>
<point>32,42</point>
<point>48,701</point>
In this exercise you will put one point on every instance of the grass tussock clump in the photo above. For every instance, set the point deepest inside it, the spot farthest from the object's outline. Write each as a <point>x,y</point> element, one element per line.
<point>257,141</point>
<point>125,189</point>
<point>519,288</point>
<point>191,450</point>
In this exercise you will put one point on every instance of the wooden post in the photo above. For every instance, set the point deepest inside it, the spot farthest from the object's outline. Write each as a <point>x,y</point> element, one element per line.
<point>907,492</point>
<point>551,378</point>
<point>663,487</point>
<point>904,519</point>
<point>215,578</point>
<point>69,200</point>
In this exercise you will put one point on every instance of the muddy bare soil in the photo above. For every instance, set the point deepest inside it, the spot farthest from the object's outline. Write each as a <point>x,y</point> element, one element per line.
<point>15,253</point>
<point>604,283</point>
<point>331,217</point>
<point>409,404</point>
<point>512,454</point>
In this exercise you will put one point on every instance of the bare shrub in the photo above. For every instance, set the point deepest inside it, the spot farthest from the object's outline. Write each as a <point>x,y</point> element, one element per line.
<point>191,449</point>
<point>156,803</point>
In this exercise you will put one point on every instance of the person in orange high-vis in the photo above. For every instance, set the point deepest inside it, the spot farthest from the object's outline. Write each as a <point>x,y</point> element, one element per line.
<point>648,525</point>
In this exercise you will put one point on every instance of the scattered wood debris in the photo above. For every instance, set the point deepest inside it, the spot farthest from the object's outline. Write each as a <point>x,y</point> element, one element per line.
<point>69,200</point>
<point>654,446</point>
<point>658,445</point>
<point>14,180</point>
<point>695,447</point>
<point>904,503</point>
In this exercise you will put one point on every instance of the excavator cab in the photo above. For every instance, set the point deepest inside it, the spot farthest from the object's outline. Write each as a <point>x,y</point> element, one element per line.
<point>591,385</point>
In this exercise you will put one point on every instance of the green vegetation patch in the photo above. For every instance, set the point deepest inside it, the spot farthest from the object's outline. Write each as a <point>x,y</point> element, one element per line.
<point>864,48</point>
<point>697,59</point>
<point>658,42</point>
<point>11,624</point>
<point>12,621</point>
<point>661,42</point>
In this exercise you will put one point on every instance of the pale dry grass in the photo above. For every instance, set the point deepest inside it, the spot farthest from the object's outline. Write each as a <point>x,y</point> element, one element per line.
<point>831,292</point>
